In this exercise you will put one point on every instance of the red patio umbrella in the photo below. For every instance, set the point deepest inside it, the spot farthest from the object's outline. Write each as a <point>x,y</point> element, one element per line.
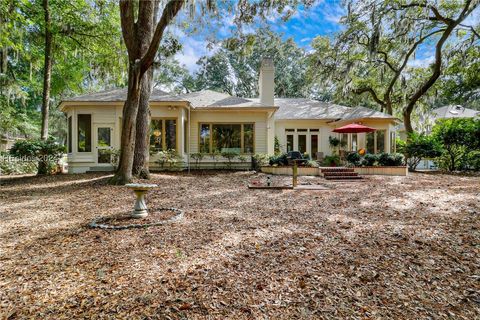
<point>353,128</point>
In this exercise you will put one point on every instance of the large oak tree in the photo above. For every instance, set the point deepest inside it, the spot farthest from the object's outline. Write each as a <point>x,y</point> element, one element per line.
<point>142,36</point>
<point>373,55</point>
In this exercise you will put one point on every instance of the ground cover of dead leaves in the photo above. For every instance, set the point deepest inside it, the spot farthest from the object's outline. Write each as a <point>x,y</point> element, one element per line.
<point>384,248</point>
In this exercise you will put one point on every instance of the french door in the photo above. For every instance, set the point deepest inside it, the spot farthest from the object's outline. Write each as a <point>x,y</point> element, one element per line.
<point>103,140</point>
<point>303,140</point>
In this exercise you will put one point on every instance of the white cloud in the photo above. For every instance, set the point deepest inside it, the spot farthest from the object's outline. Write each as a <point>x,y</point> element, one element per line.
<point>421,62</point>
<point>305,39</point>
<point>227,23</point>
<point>333,13</point>
<point>474,18</point>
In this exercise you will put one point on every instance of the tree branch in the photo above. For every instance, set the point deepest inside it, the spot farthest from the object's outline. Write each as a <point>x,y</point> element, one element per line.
<point>127,17</point>
<point>169,12</point>
<point>472,29</point>
<point>434,10</point>
<point>385,60</point>
<point>372,93</point>
<point>437,65</point>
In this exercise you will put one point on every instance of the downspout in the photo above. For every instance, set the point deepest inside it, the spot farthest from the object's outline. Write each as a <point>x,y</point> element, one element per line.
<point>189,135</point>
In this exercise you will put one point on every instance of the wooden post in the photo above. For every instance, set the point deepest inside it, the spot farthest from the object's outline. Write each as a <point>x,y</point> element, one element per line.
<point>295,172</point>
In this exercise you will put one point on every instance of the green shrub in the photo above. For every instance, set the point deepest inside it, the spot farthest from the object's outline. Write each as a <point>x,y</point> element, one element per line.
<point>418,147</point>
<point>472,161</point>
<point>11,165</point>
<point>458,137</point>
<point>114,156</point>
<point>387,159</point>
<point>277,147</point>
<point>215,155</point>
<point>47,152</point>
<point>259,160</point>
<point>333,160</point>
<point>169,157</point>
<point>197,157</point>
<point>279,160</point>
<point>333,142</point>
<point>229,156</point>
<point>369,160</point>
<point>353,158</point>
<point>312,164</point>
<point>242,159</point>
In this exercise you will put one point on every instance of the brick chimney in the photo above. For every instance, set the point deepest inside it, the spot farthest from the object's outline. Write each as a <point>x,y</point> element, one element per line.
<point>266,82</point>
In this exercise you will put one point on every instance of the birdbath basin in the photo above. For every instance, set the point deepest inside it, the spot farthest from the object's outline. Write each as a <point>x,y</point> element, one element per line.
<point>140,190</point>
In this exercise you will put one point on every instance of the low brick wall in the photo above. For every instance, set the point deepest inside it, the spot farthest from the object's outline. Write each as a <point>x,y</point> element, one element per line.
<point>382,171</point>
<point>307,171</point>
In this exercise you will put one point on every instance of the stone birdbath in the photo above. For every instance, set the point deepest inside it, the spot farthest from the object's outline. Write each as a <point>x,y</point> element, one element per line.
<point>140,190</point>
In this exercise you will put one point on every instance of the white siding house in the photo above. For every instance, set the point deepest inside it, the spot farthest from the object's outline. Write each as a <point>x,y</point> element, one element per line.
<point>210,122</point>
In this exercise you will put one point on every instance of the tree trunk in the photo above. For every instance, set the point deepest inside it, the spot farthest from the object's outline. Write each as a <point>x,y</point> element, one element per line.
<point>141,157</point>
<point>47,70</point>
<point>407,121</point>
<point>389,108</point>
<point>123,174</point>
<point>142,44</point>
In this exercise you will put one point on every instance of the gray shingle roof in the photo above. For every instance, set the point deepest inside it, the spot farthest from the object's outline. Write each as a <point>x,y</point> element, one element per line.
<point>301,108</point>
<point>212,99</point>
<point>288,108</point>
<point>115,95</point>
<point>454,111</point>
<point>362,112</point>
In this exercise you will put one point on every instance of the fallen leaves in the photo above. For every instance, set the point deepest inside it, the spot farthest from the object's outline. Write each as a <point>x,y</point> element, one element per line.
<point>388,247</point>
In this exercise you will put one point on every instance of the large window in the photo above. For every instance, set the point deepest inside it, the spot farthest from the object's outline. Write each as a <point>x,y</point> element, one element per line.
<point>289,142</point>
<point>232,137</point>
<point>163,135</point>
<point>248,137</point>
<point>370,136</point>
<point>393,147</point>
<point>344,140</point>
<point>205,138</point>
<point>84,133</point>
<point>314,145</point>
<point>69,143</point>
<point>380,141</point>
<point>302,143</point>
<point>375,141</point>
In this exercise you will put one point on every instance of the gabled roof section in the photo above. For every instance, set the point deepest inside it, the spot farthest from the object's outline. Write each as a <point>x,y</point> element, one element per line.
<point>454,111</point>
<point>115,95</point>
<point>362,112</point>
<point>208,99</point>
<point>304,109</point>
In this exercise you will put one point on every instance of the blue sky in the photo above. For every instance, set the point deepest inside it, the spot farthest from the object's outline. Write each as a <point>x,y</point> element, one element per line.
<point>305,24</point>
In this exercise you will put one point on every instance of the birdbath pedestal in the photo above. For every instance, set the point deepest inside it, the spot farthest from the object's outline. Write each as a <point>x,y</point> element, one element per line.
<point>140,190</point>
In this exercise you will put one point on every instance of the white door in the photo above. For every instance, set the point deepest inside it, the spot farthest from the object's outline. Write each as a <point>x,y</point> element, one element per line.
<point>103,143</point>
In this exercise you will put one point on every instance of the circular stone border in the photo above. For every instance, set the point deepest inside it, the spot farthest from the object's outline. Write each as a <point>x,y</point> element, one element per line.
<point>102,222</point>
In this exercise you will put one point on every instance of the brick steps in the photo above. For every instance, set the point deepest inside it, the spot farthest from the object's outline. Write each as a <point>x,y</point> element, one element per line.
<point>337,169</point>
<point>339,173</point>
<point>343,178</point>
